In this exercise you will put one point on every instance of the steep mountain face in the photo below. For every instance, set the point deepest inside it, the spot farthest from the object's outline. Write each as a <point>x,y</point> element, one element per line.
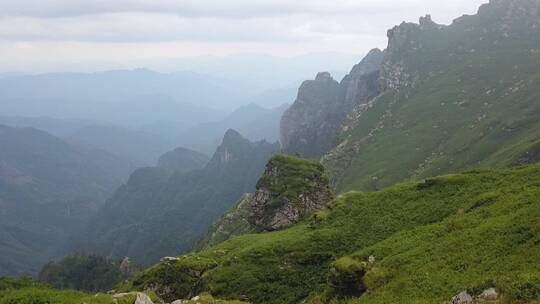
<point>48,190</point>
<point>310,126</point>
<point>168,213</point>
<point>455,97</point>
<point>182,160</point>
<point>290,190</point>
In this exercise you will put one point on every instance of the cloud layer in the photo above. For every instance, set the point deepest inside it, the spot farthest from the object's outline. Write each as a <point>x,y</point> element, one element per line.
<point>206,27</point>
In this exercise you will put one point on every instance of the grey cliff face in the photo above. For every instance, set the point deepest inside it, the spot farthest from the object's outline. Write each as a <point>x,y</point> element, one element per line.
<point>310,126</point>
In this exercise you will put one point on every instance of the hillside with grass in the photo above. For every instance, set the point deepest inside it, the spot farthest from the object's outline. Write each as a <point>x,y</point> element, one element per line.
<point>26,291</point>
<point>429,241</point>
<point>454,97</point>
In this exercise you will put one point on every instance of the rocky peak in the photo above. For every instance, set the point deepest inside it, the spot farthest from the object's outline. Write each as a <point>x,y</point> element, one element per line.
<point>427,23</point>
<point>309,127</point>
<point>231,136</point>
<point>362,83</point>
<point>403,39</point>
<point>232,148</point>
<point>324,76</point>
<point>371,63</point>
<point>303,121</point>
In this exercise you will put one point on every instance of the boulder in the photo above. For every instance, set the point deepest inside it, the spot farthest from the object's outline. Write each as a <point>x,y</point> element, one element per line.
<point>489,294</point>
<point>143,299</point>
<point>462,298</point>
<point>168,259</point>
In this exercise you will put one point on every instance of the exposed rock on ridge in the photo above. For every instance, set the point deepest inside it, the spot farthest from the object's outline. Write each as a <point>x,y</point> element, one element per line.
<point>310,126</point>
<point>401,40</point>
<point>290,190</point>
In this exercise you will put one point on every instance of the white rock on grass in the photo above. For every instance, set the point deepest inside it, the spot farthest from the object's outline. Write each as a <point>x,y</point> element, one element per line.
<point>489,294</point>
<point>462,298</point>
<point>143,299</point>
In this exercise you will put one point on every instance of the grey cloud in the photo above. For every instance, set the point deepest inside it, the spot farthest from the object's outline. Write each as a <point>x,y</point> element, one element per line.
<point>213,8</point>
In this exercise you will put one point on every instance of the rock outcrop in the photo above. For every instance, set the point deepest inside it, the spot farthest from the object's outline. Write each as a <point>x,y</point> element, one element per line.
<point>289,190</point>
<point>143,299</point>
<point>462,298</point>
<point>403,39</point>
<point>310,126</point>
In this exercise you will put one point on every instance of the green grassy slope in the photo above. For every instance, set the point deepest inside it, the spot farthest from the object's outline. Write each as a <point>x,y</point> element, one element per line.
<point>475,102</point>
<point>458,231</point>
<point>25,291</point>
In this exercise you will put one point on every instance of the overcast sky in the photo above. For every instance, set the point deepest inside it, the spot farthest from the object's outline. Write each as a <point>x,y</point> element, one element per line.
<point>36,34</point>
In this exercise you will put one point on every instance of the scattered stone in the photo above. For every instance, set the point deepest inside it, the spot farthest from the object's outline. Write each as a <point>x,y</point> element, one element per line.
<point>462,298</point>
<point>371,259</point>
<point>489,294</point>
<point>197,298</point>
<point>168,259</point>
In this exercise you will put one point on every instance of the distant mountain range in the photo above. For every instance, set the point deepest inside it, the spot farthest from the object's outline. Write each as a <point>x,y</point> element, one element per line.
<point>169,211</point>
<point>143,145</point>
<point>120,97</point>
<point>48,190</point>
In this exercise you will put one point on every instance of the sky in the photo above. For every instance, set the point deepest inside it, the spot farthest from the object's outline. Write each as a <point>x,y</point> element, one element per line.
<point>66,34</point>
